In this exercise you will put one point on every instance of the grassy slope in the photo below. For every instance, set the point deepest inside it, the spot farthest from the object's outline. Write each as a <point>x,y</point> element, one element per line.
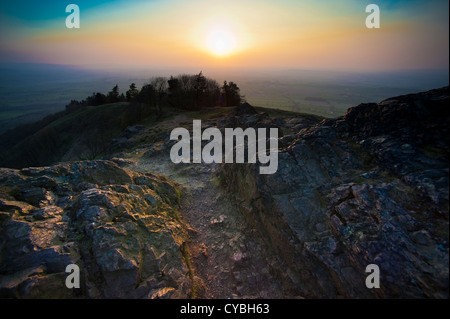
<point>47,141</point>
<point>87,132</point>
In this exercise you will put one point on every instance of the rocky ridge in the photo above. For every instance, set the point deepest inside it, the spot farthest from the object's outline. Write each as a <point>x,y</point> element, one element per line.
<point>367,188</point>
<point>370,187</point>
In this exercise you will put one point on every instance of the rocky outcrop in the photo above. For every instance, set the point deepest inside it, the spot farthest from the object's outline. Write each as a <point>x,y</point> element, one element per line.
<point>370,187</point>
<point>367,188</point>
<point>120,228</point>
<point>245,109</point>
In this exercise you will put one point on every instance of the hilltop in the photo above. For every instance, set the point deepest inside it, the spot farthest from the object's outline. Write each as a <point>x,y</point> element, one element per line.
<point>86,127</point>
<point>370,187</point>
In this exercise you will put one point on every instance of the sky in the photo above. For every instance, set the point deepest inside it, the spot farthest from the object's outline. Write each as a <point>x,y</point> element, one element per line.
<point>314,34</point>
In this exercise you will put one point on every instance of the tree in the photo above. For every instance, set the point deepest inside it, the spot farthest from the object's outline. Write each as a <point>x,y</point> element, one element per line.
<point>174,92</point>
<point>132,93</point>
<point>199,89</point>
<point>212,93</point>
<point>113,95</point>
<point>231,94</point>
<point>192,92</point>
<point>160,85</point>
<point>97,99</point>
<point>147,95</point>
<point>187,91</point>
<point>73,105</point>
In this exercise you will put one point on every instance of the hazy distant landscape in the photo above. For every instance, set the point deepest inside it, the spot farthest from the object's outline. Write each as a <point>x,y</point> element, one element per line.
<point>29,92</point>
<point>330,94</point>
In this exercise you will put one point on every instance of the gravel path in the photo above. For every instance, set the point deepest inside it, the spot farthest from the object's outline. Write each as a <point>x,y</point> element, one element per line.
<point>228,255</point>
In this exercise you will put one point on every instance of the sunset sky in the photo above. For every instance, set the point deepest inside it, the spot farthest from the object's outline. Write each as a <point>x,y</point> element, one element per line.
<point>311,34</point>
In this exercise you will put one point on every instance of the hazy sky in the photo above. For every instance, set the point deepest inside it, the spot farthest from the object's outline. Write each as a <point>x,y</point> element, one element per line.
<point>246,33</point>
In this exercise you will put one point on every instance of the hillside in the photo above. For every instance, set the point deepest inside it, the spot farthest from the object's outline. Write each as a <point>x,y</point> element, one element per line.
<point>84,133</point>
<point>370,187</point>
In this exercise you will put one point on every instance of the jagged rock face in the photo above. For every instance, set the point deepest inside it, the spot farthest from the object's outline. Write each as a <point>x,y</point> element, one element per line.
<point>422,118</point>
<point>368,188</point>
<point>120,228</point>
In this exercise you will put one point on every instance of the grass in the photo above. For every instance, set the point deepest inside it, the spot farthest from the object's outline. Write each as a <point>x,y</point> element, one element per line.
<point>211,113</point>
<point>90,128</point>
<point>86,133</point>
<point>280,113</point>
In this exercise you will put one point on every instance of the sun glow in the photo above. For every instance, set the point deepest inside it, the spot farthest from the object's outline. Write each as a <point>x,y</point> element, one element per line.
<point>220,41</point>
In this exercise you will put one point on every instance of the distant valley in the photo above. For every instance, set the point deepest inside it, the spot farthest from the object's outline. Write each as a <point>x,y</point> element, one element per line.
<point>29,92</point>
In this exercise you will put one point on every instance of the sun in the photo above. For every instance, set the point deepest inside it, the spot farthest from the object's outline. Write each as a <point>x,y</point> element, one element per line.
<point>220,41</point>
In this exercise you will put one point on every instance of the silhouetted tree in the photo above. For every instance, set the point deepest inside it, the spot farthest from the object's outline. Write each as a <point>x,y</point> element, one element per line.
<point>185,91</point>
<point>231,94</point>
<point>160,85</point>
<point>212,93</point>
<point>199,89</point>
<point>174,92</point>
<point>146,97</point>
<point>192,92</point>
<point>113,95</point>
<point>97,99</point>
<point>132,93</point>
<point>74,104</point>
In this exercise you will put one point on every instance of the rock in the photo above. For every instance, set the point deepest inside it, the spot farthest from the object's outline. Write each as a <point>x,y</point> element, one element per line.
<point>245,109</point>
<point>131,131</point>
<point>32,195</point>
<point>347,194</point>
<point>122,162</point>
<point>126,245</point>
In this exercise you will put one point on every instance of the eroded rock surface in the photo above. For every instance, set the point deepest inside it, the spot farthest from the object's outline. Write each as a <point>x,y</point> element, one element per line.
<point>121,228</point>
<point>367,188</point>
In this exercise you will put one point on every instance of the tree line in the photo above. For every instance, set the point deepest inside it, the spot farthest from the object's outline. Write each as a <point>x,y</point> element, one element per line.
<point>190,92</point>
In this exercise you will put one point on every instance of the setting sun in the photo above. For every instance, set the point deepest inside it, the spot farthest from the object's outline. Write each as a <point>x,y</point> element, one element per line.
<point>203,34</point>
<point>220,41</point>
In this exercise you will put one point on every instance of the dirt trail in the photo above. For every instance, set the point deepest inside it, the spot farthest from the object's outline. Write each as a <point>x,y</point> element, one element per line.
<point>229,255</point>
